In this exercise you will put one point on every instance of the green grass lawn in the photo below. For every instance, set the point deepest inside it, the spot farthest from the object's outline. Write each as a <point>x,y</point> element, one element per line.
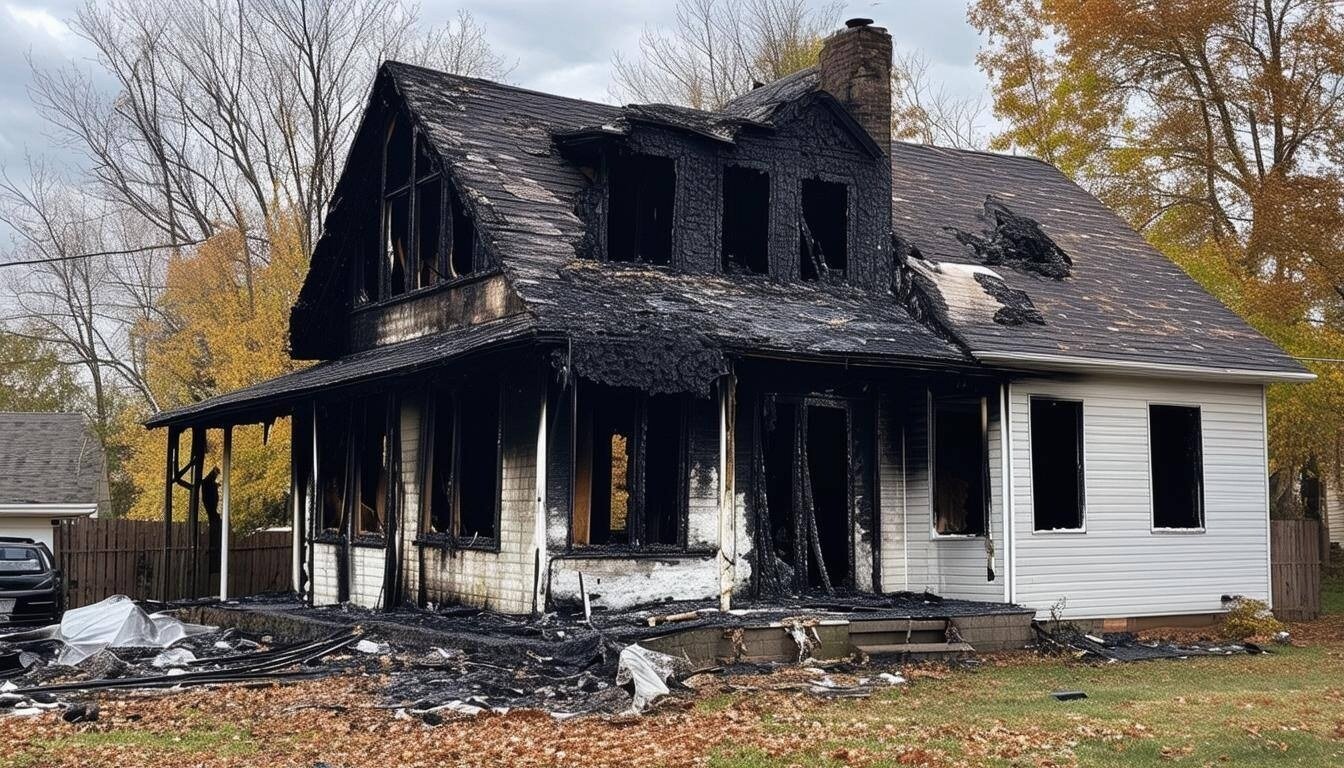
<point>1332,588</point>
<point>1280,709</point>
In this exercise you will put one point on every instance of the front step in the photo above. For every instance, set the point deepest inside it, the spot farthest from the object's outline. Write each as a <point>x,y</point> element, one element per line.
<point>922,651</point>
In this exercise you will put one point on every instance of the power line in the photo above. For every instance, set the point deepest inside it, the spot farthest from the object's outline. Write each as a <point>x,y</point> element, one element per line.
<point>77,256</point>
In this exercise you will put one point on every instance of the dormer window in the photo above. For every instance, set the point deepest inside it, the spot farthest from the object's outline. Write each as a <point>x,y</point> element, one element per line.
<point>427,235</point>
<point>823,241</point>
<point>641,191</point>
<point>746,221</point>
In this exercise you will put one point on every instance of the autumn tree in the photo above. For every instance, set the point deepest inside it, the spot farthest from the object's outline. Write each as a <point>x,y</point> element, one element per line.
<point>1216,128</point>
<point>716,49</point>
<point>33,377</point>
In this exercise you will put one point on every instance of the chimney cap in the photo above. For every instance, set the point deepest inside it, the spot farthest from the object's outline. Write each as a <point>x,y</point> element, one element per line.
<point>856,23</point>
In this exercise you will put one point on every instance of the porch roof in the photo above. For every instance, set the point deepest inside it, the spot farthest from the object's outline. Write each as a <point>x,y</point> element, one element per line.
<point>275,397</point>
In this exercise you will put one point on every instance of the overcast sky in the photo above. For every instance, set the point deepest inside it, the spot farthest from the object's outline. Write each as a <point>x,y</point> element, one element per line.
<point>561,46</point>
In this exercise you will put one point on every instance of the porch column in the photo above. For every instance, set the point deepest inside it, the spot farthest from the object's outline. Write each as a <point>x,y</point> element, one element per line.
<point>224,514</point>
<point>169,479</point>
<point>296,511</point>
<point>539,524</point>
<point>727,511</point>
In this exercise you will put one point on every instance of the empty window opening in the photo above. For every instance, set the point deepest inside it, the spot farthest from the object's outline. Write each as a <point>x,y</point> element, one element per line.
<point>440,465</point>
<point>824,236</point>
<point>746,221</point>
<point>369,281</point>
<point>396,217</point>
<point>807,492</point>
<point>479,418</point>
<point>1057,491</point>
<point>1175,445</point>
<point>373,467</point>
<point>641,192</point>
<point>960,466</point>
<point>428,232</point>
<point>627,468</point>
<point>333,457</point>
<point>463,260</point>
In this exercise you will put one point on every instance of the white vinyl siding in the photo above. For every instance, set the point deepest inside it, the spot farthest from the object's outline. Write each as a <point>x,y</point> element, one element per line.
<point>1120,566</point>
<point>913,557</point>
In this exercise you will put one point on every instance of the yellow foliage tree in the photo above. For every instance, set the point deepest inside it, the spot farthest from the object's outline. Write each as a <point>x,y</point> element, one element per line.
<point>225,326</point>
<point>1216,128</point>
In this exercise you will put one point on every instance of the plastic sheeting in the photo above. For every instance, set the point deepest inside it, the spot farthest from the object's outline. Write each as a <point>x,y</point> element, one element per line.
<point>118,622</point>
<point>648,670</point>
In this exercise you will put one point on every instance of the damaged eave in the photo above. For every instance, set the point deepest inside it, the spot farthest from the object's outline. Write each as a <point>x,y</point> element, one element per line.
<point>1021,361</point>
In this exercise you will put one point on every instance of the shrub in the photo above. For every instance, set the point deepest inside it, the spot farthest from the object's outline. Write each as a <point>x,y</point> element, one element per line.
<point>1249,618</point>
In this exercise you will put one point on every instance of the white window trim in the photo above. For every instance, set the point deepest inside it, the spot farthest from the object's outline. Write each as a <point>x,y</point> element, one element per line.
<point>1031,464</point>
<point>1153,527</point>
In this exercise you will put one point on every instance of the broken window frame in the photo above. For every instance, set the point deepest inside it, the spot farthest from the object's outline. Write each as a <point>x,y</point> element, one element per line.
<point>456,227</point>
<point>980,404</point>
<point>828,273</point>
<point>1198,470</point>
<point>727,263</point>
<point>431,422</point>
<point>619,161</point>
<point>355,470</point>
<point>637,477</point>
<point>1081,452</point>
<point>341,415</point>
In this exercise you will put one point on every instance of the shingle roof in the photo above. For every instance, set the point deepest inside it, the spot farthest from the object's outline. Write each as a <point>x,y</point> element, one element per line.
<point>273,397</point>
<point>497,140</point>
<point>49,458</point>
<point>1124,300</point>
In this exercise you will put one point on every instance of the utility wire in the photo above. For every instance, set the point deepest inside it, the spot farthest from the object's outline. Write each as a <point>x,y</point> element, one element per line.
<point>126,252</point>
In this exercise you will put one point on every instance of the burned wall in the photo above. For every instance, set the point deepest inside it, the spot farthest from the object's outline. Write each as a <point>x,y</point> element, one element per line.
<point>810,142</point>
<point>432,310</point>
<point>617,577</point>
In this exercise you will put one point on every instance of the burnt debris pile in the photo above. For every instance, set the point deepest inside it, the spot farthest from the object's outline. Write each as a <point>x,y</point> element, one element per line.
<point>1017,307</point>
<point>1016,241</point>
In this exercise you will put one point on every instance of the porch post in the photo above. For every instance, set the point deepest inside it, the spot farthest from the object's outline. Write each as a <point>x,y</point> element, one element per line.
<point>224,514</point>
<point>539,525</point>
<point>727,513</point>
<point>296,508</point>
<point>169,479</point>
<point>197,459</point>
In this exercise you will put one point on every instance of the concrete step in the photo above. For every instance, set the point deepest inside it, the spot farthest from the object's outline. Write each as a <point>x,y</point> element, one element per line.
<point>921,650</point>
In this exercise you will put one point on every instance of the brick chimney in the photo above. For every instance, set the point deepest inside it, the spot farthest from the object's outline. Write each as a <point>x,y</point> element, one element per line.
<point>855,68</point>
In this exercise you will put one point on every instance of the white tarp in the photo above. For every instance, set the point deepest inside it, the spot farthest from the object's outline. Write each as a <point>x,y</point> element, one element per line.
<point>649,670</point>
<point>118,622</point>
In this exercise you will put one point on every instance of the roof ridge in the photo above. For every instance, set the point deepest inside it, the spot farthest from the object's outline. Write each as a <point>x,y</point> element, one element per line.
<point>973,151</point>
<point>496,84</point>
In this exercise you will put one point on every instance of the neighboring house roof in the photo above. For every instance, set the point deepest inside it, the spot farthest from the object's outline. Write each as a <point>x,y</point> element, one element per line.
<point>49,458</point>
<point>1123,301</point>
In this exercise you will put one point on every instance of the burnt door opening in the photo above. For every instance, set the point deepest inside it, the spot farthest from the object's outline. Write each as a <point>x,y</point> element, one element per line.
<point>828,469</point>
<point>807,495</point>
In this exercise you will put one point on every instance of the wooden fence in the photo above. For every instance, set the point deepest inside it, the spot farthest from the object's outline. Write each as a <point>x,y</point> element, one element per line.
<point>1295,568</point>
<point>104,557</point>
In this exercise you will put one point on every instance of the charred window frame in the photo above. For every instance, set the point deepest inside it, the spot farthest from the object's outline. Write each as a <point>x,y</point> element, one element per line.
<point>630,472</point>
<point>1176,461</point>
<point>823,230</point>
<point>959,465</point>
<point>1058,487</point>
<point>333,431</point>
<point>745,243</point>
<point>371,469</point>
<point>462,467</point>
<point>426,234</point>
<point>641,201</point>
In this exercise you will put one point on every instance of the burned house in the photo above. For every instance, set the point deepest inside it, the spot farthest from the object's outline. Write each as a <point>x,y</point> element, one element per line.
<point>574,351</point>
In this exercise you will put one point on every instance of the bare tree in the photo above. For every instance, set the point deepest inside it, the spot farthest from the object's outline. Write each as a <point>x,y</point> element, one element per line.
<point>926,112</point>
<point>716,49</point>
<point>460,46</point>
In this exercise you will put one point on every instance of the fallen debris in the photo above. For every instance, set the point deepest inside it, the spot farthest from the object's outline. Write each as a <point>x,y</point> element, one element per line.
<point>1017,241</point>
<point>648,671</point>
<point>1124,646</point>
<point>116,622</point>
<point>1068,695</point>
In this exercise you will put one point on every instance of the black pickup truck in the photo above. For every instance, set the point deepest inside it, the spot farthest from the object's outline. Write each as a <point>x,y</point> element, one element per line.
<point>31,591</point>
